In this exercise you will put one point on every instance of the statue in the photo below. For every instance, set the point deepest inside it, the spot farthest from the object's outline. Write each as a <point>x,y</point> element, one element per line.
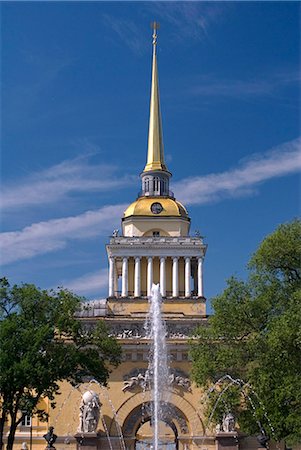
<point>218,428</point>
<point>228,422</point>
<point>89,412</point>
<point>262,438</point>
<point>115,233</point>
<point>50,438</point>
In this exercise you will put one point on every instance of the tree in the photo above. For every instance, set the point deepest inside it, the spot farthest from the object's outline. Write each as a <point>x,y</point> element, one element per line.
<point>41,344</point>
<point>254,335</point>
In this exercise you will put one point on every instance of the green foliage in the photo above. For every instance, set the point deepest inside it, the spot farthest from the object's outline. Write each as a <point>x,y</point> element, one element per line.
<point>255,336</point>
<point>41,344</point>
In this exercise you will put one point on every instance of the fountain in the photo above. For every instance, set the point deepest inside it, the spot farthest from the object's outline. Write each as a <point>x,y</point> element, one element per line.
<point>158,362</point>
<point>158,379</point>
<point>246,389</point>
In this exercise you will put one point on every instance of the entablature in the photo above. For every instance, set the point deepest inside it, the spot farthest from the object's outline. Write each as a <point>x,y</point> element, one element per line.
<point>156,246</point>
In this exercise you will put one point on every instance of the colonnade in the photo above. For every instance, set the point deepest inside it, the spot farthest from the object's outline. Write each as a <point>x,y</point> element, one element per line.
<point>113,276</point>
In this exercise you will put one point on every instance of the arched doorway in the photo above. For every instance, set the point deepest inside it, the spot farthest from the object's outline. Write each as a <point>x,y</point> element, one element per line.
<point>167,436</point>
<point>138,426</point>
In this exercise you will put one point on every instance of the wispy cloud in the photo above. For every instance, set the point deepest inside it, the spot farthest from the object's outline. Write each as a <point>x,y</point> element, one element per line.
<point>208,86</point>
<point>48,236</point>
<point>127,31</point>
<point>57,182</point>
<point>188,19</point>
<point>89,284</point>
<point>280,161</point>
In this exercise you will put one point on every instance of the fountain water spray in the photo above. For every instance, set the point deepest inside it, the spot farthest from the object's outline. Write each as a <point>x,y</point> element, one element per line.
<point>158,361</point>
<point>244,387</point>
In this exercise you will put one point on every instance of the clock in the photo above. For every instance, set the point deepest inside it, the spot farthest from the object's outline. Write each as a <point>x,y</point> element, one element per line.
<point>156,208</point>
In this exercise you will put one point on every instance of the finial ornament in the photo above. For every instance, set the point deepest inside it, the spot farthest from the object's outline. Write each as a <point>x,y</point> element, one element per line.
<point>155,26</point>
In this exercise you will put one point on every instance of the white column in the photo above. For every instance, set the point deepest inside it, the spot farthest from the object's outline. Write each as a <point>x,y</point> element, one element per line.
<point>162,277</point>
<point>111,276</point>
<point>200,277</point>
<point>175,277</point>
<point>187,277</point>
<point>149,275</point>
<point>115,280</point>
<point>124,287</point>
<point>137,287</point>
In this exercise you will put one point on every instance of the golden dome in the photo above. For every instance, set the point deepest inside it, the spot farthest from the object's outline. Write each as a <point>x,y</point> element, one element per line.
<point>143,207</point>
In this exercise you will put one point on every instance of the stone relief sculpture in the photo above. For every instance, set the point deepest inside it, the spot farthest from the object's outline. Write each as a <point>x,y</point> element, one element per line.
<point>137,331</point>
<point>138,381</point>
<point>228,423</point>
<point>142,380</point>
<point>179,380</point>
<point>89,412</point>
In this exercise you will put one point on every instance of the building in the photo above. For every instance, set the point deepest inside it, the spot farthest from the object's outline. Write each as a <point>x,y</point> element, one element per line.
<point>153,247</point>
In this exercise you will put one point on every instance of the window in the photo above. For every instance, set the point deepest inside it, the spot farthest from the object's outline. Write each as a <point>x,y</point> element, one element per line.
<point>156,184</point>
<point>146,184</point>
<point>164,186</point>
<point>156,233</point>
<point>26,421</point>
<point>173,356</point>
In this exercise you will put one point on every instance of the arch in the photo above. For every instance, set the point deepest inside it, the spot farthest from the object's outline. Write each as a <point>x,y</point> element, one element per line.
<point>182,405</point>
<point>170,442</point>
<point>173,417</point>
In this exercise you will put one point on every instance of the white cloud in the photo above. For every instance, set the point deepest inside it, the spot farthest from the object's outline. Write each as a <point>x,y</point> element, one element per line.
<point>283,160</point>
<point>48,236</point>
<point>59,181</point>
<point>89,284</point>
<point>44,237</point>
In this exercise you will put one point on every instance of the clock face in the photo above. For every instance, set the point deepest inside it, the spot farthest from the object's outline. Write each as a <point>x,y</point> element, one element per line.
<point>156,208</point>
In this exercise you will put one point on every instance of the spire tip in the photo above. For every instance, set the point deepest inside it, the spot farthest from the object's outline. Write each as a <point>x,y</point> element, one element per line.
<point>155,26</point>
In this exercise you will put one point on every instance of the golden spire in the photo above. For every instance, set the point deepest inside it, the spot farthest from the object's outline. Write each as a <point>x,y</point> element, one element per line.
<point>155,152</point>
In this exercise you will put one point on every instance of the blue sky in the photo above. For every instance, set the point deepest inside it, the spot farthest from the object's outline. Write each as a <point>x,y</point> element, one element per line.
<point>75,99</point>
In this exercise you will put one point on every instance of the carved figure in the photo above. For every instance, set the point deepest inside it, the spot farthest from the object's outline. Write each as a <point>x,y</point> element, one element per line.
<point>180,381</point>
<point>142,379</point>
<point>115,233</point>
<point>138,381</point>
<point>228,422</point>
<point>89,412</point>
<point>50,438</point>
